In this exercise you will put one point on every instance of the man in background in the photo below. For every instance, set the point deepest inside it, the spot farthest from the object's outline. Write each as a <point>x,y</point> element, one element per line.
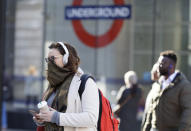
<point>170,107</point>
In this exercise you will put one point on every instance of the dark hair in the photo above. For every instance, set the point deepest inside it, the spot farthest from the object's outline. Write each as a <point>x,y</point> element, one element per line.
<point>73,59</point>
<point>170,54</point>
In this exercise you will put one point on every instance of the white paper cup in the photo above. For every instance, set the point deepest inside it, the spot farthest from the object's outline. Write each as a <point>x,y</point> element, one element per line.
<point>42,106</point>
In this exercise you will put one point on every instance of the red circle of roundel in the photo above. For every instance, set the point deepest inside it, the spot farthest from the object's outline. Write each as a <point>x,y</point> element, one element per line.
<point>97,41</point>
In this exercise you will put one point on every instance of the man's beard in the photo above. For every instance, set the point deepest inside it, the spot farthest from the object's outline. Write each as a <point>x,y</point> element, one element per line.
<point>163,72</point>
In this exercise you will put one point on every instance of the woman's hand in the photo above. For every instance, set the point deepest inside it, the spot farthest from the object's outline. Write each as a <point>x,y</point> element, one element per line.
<point>46,116</point>
<point>37,119</point>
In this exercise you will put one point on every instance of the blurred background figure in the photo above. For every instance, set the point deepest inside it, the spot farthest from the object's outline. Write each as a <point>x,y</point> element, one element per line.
<point>130,93</point>
<point>7,87</point>
<point>154,78</point>
<point>32,87</point>
<point>7,97</point>
<point>154,72</point>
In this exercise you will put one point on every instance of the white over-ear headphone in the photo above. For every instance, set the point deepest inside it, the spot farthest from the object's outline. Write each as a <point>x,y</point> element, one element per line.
<point>65,57</point>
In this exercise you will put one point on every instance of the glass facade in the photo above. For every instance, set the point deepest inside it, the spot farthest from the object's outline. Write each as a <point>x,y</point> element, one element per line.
<point>164,26</point>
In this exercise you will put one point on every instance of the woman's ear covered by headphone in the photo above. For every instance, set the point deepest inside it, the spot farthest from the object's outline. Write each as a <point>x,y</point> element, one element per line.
<point>65,57</point>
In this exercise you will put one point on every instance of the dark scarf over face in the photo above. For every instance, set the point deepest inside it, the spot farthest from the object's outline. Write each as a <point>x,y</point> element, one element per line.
<point>56,75</point>
<point>59,81</point>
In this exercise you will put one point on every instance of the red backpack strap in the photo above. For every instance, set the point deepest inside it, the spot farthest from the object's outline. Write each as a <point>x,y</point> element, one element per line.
<point>100,111</point>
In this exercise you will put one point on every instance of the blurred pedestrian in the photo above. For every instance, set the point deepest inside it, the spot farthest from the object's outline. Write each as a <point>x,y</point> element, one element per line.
<point>170,108</point>
<point>154,78</point>
<point>32,87</point>
<point>128,98</point>
<point>68,112</point>
<point>7,96</point>
<point>7,87</point>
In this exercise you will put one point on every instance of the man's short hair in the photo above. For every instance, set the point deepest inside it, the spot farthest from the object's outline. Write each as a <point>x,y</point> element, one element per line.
<point>170,54</point>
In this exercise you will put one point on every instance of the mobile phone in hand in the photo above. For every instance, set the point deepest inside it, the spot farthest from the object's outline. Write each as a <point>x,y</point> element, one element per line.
<point>33,112</point>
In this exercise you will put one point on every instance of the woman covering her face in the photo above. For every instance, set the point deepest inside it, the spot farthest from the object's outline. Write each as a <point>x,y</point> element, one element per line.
<point>67,111</point>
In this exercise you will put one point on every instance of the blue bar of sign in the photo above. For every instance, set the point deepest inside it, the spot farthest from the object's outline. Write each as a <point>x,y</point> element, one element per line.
<point>98,12</point>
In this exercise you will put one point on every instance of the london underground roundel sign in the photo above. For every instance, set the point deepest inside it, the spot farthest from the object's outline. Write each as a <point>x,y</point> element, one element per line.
<point>112,12</point>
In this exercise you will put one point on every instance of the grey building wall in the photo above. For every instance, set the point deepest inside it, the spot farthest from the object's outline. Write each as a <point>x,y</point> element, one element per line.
<point>28,35</point>
<point>28,42</point>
